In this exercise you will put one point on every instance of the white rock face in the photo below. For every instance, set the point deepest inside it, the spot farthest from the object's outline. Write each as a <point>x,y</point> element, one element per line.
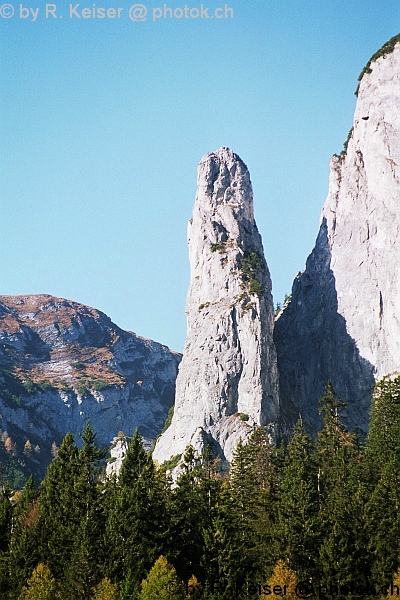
<point>228,373</point>
<point>343,322</point>
<point>362,212</point>
<point>118,452</point>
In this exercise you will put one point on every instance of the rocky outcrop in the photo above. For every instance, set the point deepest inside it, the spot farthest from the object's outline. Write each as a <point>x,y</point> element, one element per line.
<point>343,320</point>
<point>118,451</point>
<point>227,380</point>
<point>62,363</point>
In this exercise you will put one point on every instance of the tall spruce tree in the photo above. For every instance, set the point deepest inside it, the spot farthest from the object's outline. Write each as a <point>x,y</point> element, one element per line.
<point>264,518</point>
<point>344,559</point>
<point>191,508</point>
<point>136,519</point>
<point>70,526</point>
<point>239,540</point>
<point>6,514</point>
<point>299,531</point>
<point>382,511</point>
<point>382,515</point>
<point>187,510</point>
<point>59,509</point>
<point>83,571</point>
<point>24,552</point>
<point>383,441</point>
<point>220,550</point>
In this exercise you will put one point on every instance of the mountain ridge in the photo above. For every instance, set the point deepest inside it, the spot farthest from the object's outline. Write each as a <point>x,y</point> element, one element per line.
<point>63,363</point>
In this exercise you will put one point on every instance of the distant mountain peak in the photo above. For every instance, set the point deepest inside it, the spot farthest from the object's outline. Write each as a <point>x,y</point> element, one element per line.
<point>62,363</point>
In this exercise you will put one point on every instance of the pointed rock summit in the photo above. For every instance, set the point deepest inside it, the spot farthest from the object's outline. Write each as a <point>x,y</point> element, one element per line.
<point>227,382</point>
<point>343,320</point>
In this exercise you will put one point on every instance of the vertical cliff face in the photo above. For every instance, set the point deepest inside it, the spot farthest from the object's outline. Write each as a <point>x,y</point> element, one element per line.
<point>343,321</point>
<point>227,381</point>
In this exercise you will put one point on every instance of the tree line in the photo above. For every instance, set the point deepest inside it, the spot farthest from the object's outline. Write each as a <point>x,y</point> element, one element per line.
<point>310,518</point>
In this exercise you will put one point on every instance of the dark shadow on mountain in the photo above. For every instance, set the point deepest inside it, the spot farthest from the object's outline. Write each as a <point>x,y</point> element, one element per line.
<point>313,346</point>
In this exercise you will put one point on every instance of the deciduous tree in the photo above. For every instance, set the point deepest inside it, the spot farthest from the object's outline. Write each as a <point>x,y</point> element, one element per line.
<point>162,583</point>
<point>40,586</point>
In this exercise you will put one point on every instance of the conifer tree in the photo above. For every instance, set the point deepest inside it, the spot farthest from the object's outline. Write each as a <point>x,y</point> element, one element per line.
<point>71,520</point>
<point>383,524</point>
<point>219,549</point>
<point>135,461</point>
<point>253,490</point>
<point>267,491</point>
<point>344,558</point>
<point>24,552</point>
<point>59,514</point>
<point>191,510</point>
<point>162,583</point>
<point>6,514</point>
<point>382,511</point>
<point>25,500</point>
<point>299,527</point>
<point>83,571</point>
<point>236,539</point>
<point>331,436</point>
<point>383,441</point>
<point>136,519</point>
<point>210,477</point>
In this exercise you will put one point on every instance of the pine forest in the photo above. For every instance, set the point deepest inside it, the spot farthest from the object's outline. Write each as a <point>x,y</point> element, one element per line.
<point>305,518</point>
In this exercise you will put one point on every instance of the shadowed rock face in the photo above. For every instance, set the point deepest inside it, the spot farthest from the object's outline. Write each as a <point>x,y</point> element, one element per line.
<point>227,381</point>
<point>343,321</point>
<point>66,363</point>
<point>313,346</point>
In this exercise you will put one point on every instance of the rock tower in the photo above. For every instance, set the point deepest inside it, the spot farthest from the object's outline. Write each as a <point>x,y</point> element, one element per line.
<point>227,382</point>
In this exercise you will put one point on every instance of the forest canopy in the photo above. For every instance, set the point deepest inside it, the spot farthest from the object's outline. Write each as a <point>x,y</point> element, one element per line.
<point>310,518</point>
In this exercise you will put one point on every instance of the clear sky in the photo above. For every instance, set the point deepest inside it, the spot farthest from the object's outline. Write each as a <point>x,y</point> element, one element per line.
<point>103,122</point>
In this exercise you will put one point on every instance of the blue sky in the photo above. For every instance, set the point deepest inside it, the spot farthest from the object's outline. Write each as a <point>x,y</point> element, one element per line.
<point>103,123</point>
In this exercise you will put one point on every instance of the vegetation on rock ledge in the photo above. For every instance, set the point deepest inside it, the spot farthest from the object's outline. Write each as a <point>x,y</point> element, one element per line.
<point>250,267</point>
<point>386,49</point>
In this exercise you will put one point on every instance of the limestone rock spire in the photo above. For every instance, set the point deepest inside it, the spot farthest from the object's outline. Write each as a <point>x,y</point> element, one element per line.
<point>227,382</point>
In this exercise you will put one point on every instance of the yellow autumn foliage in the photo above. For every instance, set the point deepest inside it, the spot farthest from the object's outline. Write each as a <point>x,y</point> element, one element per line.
<point>105,590</point>
<point>284,578</point>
